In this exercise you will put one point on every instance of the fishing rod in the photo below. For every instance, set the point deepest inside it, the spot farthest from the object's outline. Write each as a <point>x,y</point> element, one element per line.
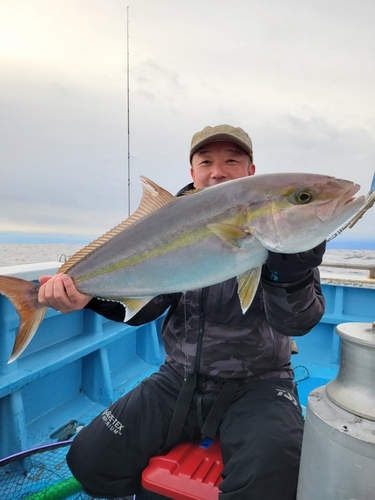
<point>369,202</point>
<point>127,102</point>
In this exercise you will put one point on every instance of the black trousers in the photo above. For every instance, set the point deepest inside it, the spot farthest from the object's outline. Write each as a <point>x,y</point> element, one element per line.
<point>260,436</point>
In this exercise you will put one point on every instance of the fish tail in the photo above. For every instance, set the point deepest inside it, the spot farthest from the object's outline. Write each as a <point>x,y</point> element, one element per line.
<point>24,296</point>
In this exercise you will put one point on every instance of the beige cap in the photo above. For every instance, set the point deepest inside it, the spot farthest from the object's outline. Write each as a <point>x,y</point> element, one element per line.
<point>222,133</point>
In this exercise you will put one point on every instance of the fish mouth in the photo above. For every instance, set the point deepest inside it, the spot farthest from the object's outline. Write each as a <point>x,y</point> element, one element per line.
<point>347,202</point>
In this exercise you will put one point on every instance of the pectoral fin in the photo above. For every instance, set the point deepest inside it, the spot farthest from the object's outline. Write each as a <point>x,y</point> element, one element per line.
<point>230,234</point>
<point>247,286</point>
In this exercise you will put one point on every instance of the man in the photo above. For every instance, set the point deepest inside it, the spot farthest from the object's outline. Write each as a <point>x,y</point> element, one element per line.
<point>226,373</point>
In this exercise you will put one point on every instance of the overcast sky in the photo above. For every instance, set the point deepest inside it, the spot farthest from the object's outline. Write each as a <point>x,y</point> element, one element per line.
<point>297,76</point>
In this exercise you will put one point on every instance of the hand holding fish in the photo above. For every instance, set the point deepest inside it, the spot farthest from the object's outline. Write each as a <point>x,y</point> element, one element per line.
<point>60,293</point>
<point>286,268</point>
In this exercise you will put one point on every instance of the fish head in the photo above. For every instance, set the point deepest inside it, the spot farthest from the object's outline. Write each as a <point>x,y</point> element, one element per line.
<point>299,211</point>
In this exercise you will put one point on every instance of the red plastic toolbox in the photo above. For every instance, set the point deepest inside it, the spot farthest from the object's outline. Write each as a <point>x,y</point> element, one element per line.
<point>191,471</point>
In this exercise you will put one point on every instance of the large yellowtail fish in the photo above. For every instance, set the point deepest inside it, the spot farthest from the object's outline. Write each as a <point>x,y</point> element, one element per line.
<point>175,244</point>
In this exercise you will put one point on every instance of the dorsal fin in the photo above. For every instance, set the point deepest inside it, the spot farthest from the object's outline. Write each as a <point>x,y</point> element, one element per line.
<point>154,197</point>
<point>192,191</point>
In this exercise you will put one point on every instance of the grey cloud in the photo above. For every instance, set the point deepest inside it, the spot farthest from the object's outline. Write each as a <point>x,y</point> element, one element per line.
<point>297,83</point>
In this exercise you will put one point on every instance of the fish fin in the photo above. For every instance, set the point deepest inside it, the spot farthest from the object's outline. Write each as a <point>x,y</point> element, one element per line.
<point>192,191</point>
<point>247,286</point>
<point>230,234</point>
<point>24,296</point>
<point>133,306</point>
<point>153,198</point>
<point>293,346</point>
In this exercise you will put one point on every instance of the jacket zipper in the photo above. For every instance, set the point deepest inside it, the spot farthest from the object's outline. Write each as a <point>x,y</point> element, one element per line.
<point>200,330</point>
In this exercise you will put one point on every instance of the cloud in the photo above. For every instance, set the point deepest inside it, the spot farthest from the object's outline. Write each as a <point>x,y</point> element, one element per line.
<point>298,77</point>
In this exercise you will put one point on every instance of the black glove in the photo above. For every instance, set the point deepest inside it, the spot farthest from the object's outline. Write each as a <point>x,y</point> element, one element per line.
<point>287,268</point>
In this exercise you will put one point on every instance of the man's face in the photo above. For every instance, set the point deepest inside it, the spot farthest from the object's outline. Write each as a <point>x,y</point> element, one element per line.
<point>218,162</point>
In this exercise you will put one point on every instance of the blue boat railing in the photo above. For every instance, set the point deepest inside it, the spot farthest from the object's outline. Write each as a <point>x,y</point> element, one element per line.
<point>78,363</point>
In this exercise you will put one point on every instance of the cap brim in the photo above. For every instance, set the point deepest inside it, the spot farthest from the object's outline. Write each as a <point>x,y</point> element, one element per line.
<point>219,138</point>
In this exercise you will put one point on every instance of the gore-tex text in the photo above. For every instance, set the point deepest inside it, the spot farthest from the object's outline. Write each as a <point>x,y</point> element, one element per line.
<point>111,422</point>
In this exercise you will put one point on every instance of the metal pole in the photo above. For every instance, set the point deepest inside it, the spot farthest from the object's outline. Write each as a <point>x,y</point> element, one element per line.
<point>127,102</point>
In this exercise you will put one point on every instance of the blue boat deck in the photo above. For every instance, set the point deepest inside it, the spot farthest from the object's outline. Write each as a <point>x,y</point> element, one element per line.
<point>78,364</point>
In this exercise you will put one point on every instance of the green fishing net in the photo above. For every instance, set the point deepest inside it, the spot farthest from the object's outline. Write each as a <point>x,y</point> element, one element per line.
<point>39,474</point>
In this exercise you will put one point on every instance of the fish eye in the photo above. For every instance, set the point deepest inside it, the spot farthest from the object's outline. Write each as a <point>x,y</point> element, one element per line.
<point>303,197</point>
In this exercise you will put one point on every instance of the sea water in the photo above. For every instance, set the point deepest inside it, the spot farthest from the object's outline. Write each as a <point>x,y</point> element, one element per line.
<point>22,253</point>
<point>12,254</point>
